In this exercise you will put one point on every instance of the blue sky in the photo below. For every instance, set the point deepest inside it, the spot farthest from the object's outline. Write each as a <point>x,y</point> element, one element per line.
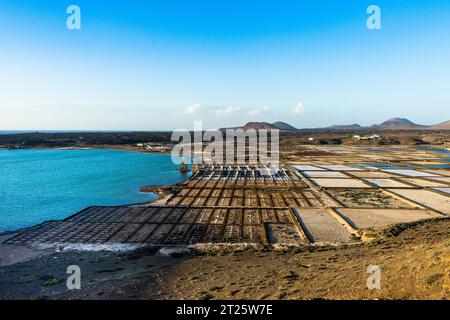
<point>149,65</point>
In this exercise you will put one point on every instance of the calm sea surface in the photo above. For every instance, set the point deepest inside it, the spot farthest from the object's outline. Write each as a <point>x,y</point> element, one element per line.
<point>40,185</point>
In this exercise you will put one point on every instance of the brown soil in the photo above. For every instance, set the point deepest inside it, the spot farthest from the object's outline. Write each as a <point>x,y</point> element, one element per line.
<point>414,260</point>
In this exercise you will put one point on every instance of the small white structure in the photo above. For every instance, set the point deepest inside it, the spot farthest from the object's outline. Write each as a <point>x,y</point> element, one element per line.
<point>368,137</point>
<point>150,146</point>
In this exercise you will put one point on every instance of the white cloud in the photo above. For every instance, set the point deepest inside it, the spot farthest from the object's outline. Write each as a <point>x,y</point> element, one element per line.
<point>227,110</point>
<point>258,111</point>
<point>209,110</point>
<point>193,108</point>
<point>299,109</point>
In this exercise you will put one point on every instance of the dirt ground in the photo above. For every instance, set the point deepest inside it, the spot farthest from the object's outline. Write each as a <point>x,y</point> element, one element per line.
<point>414,259</point>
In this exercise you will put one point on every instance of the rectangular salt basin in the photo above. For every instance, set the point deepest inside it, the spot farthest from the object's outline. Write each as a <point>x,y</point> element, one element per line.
<point>373,156</point>
<point>446,190</point>
<point>439,172</point>
<point>325,174</point>
<point>423,183</point>
<point>373,174</point>
<point>388,183</point>
<point>322,227</point>
<point>431,199</point>
<point>368,218</point>
<point>340,183</point>
<point>340,167</point>
<point>443,179</point>
<point>370,168</point>
<point>420,163</point>
<point>412,173</point>
<point>306,167</point>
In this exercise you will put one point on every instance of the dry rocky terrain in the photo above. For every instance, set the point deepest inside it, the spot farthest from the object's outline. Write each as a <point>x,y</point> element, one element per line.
<point>414,259</point>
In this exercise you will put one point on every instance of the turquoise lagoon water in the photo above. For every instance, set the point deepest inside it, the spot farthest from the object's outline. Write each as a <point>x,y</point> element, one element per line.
<point>40,185</point>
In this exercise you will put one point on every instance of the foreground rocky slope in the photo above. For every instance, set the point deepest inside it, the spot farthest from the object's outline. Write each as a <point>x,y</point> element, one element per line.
<point>414,260</point>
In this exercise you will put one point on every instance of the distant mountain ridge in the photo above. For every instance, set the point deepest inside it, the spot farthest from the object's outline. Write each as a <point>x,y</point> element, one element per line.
<point>398,123</point>
<point>393,124</point>
<point>259,126</point>
<point>442,126</point>
<point>390,124</point>
<point>282,126</point>
<point>345,127</point>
